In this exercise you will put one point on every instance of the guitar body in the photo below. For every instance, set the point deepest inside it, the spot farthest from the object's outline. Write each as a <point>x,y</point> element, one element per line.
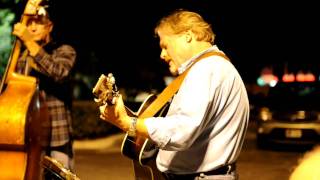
<point>141,150</point>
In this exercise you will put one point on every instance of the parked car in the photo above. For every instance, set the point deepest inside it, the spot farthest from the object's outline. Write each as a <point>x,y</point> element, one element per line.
<point>290,114</point>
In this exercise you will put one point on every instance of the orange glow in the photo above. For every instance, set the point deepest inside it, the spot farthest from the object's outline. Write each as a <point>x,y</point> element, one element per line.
<point>300,77</point>
<point>288,78</point>
<point>308,77</point>
<point>269,77</point>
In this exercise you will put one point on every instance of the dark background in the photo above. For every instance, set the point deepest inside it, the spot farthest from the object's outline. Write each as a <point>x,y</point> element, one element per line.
<point>117,36</point>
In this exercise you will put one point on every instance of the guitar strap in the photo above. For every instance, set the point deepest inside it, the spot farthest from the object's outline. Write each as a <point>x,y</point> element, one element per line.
<point>173,87</point>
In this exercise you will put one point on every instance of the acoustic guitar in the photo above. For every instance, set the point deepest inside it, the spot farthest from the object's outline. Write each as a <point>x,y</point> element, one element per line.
<point>54,170</point>
<point>140,149</point>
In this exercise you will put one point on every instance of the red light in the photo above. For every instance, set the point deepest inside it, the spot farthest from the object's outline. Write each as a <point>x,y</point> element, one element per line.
<point>308,77</point>
<point>288,78</point>
<point>269,77</point>
<point>300,77</point>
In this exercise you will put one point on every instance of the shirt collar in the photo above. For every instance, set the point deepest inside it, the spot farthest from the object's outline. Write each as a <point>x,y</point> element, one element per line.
<point>189,62</point>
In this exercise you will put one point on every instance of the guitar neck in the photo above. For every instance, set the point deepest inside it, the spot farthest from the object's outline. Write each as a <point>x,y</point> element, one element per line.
<point>130,112</point>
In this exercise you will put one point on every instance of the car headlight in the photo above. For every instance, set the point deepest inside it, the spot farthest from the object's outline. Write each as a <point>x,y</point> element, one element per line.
<point>265,114</point>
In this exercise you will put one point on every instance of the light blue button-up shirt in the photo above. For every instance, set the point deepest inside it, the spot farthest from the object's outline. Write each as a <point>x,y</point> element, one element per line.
<point>207,119</point>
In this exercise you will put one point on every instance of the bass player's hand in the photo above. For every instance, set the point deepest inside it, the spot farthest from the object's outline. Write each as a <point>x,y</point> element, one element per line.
<point>20,30</point>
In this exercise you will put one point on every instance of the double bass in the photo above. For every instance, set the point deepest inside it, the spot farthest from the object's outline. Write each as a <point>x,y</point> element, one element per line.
<point>24,120</point>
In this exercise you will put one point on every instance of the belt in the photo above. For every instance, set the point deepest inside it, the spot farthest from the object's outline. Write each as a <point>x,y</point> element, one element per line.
<point>226,169</point>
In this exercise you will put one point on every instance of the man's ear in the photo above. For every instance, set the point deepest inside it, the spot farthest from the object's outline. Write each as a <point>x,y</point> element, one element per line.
<point>189,36</point>
<point>50,27</point>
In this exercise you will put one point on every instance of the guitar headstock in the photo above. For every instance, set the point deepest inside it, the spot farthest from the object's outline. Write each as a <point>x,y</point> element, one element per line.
<point>105,90</point>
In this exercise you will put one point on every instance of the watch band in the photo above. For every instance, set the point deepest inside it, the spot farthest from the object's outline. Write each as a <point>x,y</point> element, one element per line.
<point>133,127</point>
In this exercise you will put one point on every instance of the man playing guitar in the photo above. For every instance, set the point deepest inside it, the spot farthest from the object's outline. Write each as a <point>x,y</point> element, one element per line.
<point>202,134</point>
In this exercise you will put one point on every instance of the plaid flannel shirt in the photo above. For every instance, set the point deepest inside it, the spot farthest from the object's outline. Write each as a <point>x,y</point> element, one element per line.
<point>57,66</point>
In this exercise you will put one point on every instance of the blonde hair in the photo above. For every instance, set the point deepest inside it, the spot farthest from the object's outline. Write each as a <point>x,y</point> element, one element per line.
<point>181,21</point>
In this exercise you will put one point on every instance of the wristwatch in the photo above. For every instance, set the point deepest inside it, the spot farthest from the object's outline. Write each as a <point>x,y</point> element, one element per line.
<point>133,127</point>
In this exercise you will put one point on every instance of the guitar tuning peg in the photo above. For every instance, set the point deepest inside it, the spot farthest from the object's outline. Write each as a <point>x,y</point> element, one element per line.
<point>112,80</point>
<point>97,100</point>
<point>113,101</point>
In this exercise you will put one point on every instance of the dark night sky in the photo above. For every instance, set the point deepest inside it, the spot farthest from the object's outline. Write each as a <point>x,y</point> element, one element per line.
<point>118,36</point>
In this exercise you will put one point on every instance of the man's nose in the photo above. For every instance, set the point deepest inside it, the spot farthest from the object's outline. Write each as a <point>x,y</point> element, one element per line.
<point>33,26</point>
<point>164,56</point>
